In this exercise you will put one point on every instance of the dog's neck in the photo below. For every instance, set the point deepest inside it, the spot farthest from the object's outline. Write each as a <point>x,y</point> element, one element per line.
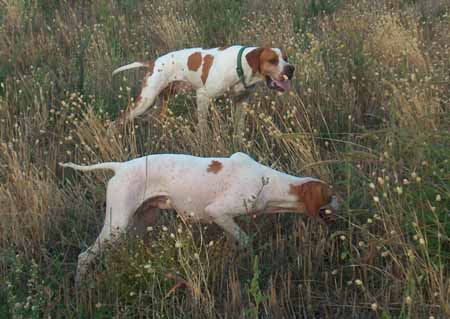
<point>249,77</point>
<point>277,193</point>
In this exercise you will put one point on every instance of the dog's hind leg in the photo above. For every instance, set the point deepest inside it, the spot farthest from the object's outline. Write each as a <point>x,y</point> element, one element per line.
<point>150,92</point>
<point>118,217</point>
<point>152,88</point>
<point>202,112</point>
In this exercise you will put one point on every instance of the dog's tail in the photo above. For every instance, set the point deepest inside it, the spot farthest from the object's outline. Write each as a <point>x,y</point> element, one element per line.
<point>115,166</point>
<point>133,65</point>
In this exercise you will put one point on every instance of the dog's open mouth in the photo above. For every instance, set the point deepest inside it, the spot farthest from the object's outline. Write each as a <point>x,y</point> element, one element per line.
<point>328,213</point>
<point>281,86</point>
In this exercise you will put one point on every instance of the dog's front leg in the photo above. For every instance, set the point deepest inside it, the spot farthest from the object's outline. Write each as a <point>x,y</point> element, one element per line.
<point>228,224</point>
<point>202,112</point>
<point>239,120</point>
<point>222,216</point>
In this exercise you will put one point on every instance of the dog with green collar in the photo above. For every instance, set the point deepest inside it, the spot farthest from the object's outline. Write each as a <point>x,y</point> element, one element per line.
<point>210,73</point>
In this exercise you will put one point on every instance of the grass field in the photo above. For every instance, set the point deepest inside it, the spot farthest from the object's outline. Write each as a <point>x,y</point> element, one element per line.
<point>369,113</point>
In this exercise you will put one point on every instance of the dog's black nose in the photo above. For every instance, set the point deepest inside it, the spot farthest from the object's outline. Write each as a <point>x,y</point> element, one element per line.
<point>289,71</point>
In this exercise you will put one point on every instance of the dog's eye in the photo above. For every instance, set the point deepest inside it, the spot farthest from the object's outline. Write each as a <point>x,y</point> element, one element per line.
<point>273,61</point>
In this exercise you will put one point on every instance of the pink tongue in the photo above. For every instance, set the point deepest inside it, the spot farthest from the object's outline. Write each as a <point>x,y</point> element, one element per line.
<point>285,85</point>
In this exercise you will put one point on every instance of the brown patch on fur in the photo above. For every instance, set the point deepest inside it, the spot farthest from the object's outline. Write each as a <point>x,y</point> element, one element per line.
<point>260,59</point>
<point>268,61</point>
<point>253,59</point>
<point>284,56</point>
<point>214,167</point>
<point>313,195</point>
<point>151,66</point>
<point>207,62</point>
<point>194,61</point>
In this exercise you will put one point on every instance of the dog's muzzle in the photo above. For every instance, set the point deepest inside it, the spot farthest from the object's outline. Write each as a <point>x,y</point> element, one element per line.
<point>328,213</point>
<point>289,71</point>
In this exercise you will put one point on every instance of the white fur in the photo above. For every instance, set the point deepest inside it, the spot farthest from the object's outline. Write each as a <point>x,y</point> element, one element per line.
<point>193,190</point>
<point>222,77</point>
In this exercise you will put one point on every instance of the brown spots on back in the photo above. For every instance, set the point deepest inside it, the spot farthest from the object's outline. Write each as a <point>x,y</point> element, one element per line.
<point>214,167</point>
<point>207,62</point>
<point>194,61</point>
<point>313,195</point>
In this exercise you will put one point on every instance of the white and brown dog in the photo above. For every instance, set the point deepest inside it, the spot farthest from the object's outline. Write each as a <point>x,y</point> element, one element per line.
<point>211,73</point>
<point>201,189</point>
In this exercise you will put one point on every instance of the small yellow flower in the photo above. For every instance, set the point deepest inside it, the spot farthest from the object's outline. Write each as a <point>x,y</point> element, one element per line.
<point>358,282</point>
<point>408,300</point>
<point>376,199</point>
<point>438,198</point>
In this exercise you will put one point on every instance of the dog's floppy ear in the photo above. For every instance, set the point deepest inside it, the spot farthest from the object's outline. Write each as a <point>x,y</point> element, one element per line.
<point>313,195</point>
<point>253,59</point>
<point>316,195</point>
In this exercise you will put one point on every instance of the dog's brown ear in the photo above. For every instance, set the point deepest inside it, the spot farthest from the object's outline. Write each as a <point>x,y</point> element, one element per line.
<point>253,59</point>
<point>313,195</point>
<point>316,195</point>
